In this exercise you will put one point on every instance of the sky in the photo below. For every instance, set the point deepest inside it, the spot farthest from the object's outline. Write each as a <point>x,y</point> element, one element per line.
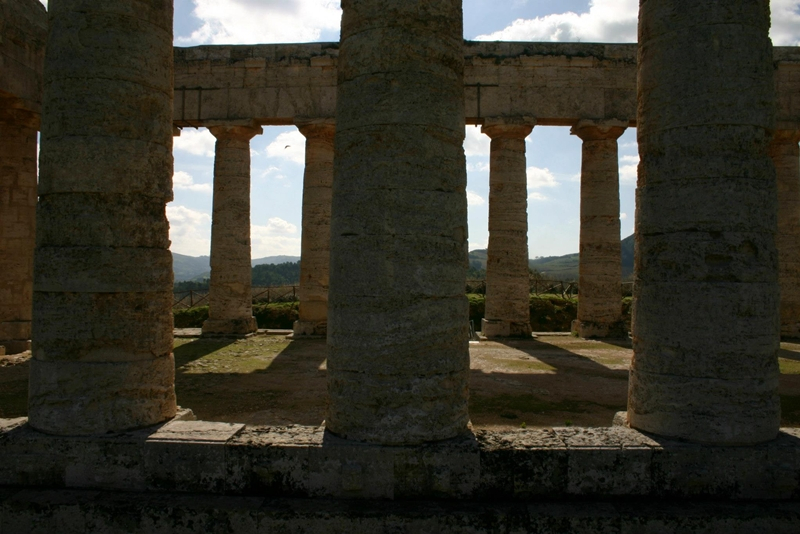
<point>553,155</point>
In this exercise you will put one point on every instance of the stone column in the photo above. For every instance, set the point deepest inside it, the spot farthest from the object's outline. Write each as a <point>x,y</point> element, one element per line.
<point>316,236</point>
<point>398,330</point>
<point>230,299</point>
<point>705,321</point>
<point>102,304</point>
<point>600,263</point>
<point>17,229</point>
<point>507,274</point>
<point>785,154</point>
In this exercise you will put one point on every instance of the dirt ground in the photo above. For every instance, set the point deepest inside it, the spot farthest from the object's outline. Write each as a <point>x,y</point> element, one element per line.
<point>268,380</point>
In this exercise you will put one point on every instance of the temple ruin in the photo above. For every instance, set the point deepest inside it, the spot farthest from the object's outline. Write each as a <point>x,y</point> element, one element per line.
<point>105,447</point>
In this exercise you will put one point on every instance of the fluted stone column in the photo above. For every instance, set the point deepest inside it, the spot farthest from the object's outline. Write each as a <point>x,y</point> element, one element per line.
<point>102,304</point>
<point>17,228</point>
<point>705,322</point>
<point>316,236</point>
<point>230,299</point>
<point>600,263</point>
<point>507,275</point>
<point>398,332</point>
<point>785,153</point>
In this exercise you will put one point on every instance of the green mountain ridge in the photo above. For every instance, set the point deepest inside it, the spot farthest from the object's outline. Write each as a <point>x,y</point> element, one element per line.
<point>197,268</point>
<point>561,267</point>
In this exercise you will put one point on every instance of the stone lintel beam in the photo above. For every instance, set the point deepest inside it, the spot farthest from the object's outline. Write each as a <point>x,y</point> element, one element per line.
<point>785,154</point>
<point>230,300</point>
<point>316,234</point>
<point>507,275</point>
<point>600,268</point>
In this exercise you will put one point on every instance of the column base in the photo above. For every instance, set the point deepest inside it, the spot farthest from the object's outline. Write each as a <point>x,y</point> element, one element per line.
<point>230,327</point>
<point>309,329</point>
<point>501,328</point>
<point>15,336</point>
<point>590,329</point>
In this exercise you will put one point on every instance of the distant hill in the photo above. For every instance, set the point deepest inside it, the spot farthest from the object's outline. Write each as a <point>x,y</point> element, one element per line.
<point>561,267</point>
<point>198,268</point>
<point>190,267</point>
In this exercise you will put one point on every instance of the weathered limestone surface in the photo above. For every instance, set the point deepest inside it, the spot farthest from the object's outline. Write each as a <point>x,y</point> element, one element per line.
<point>558,83</point>
<point>23,25</point>
<point>316,237</point>
<point>17,228</point>
<point>600,267</point>
<point>102,305</point>
<point>705,321</point>
<point>785,154</point>
<point>398,362</point>
<point>201,457</point>
<point>230,300</point>
<point>507,280</point>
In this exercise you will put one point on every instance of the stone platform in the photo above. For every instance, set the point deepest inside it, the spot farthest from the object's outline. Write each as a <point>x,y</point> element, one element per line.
<point>223,477</point>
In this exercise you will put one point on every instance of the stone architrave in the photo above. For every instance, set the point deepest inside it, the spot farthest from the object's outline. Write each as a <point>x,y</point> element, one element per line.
<point>316,237</point>
<point>706,300</point>
<point>17,227</point>
<point>230,298</point>
<point>102,304</point>
<point>600,263</point>
<point>398,331</point>
<point>785,153</point>
<point>507,274</point>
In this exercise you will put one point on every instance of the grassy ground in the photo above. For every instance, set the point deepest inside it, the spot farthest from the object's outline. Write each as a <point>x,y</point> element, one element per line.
<point>554,380</point>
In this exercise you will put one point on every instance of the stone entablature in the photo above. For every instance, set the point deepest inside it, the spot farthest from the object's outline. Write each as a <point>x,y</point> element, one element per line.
<point>557,83</point>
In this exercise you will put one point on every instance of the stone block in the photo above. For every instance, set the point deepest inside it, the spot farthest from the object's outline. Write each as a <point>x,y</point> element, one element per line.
<point>190,456</point>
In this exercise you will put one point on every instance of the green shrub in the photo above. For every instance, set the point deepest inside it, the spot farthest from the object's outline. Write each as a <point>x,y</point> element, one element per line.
<point>273,315</point>
<point>276,314</point>
<point>190,317</point>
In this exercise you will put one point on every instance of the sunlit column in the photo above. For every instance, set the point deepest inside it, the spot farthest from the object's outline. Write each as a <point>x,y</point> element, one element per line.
<point>230,299</point>
<point>507,274</point>
<point>316,236</point>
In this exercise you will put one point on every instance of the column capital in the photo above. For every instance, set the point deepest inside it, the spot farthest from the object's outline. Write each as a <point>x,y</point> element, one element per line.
<point>235,131</point>
<point>597,130</point>
<point>325,127</point>
<point>514,127</point>
<point>176,132</point>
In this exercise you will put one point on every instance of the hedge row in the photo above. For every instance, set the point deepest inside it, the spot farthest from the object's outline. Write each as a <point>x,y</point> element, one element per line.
<point>549,313</point>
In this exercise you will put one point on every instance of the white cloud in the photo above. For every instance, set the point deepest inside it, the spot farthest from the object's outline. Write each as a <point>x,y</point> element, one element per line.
<point>610,21</point>
<point>476,143</point>
<point>481,166</point>
<point>263,21</point>
<point>290,146</point>
<point>785,29</point>
<point>182,180</point>
<point>623,216</point>
<point>196,142</point>
<point>277,237</point>
<point>537,196</point>
<point>189,230</point>
<point>44,2</point>
<point>538,177</point>
<point>615,21</point>
<point>474,199</point>
<point>628,166</point>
